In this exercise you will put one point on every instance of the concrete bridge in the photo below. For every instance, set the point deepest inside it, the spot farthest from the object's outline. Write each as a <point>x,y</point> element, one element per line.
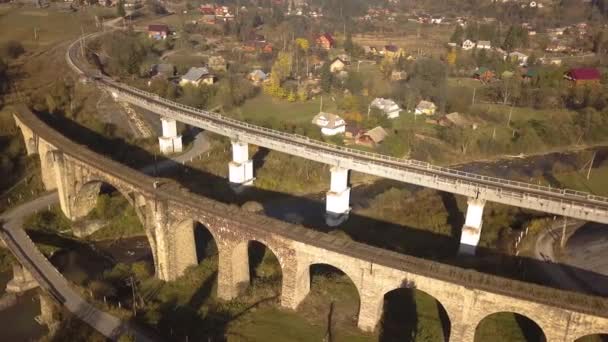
<point>169,213</point>
<point>477,188</point>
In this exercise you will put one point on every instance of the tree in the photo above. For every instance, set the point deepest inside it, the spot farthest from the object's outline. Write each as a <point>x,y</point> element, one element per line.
<point>120,9</point>
<point>451,57</point>
<point>348,43</point>
<point>458,35</point>
<point>3,76</point>
<point>326,78</point>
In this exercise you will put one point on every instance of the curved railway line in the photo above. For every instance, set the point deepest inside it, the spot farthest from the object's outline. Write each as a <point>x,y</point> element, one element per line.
<point>581,205</point>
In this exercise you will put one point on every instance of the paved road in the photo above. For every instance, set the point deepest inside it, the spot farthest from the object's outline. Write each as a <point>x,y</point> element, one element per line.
<point>586,252</point>
<point>49,278</point>
<point>543,250</point>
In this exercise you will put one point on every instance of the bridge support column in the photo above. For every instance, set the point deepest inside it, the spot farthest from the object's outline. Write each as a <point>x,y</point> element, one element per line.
<point>22,280</point>
<point>241,167</point>
<point>233,270</point>
<point>337,205</point>
<point>170,142</point>
<point>184,247</point>
<point>295,284</point>
<point>471,231</point>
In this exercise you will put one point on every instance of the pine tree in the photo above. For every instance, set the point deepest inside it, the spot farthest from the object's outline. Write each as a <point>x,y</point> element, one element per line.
<point>458,35</point>
<point>120,9</point>
<point>348,43</point>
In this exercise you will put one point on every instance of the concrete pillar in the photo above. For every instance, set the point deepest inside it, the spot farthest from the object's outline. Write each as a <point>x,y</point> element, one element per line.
<point>22,280</point>
<point>471,231</point>
<point>47,310</point>
<point>295,284</point>
<point>240,169</point>
<point>337,203</point>
<point>184,247</point>
<point>233,270</point>
<point>170,141</point>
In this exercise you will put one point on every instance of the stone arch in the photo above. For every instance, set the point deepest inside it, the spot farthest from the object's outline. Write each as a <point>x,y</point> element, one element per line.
<point>244,270</point>
<point>86,194</point>
<point>205,241</point>
<point>519,327</point>
<point>598,337</point>
<point>342,286</point>
<point>408,311</point>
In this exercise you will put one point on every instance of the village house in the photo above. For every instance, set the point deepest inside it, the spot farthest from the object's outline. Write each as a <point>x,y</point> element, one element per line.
<point>393,51</point>
<point>337,65</point>
<point>217,63</point>
<point>330,124</point>
<point>468,45</point>
<point>484,74</point>
<point>456,119</point>
<point>370,50</point>
<point>197,76</point>
<point>520,58</point>
<point>426,108</point>
<point>583,76</point>
<point>556,46</point>
<point>257,76</point>
<point>158,31</point>
<point>398,75</point>
<point>387,106</point>
<point>371,138</point>
<point>325,41</point>
<point>484,45</point>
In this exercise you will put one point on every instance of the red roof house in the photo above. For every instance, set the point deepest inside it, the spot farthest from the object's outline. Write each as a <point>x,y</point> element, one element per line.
<point>583,76</point>
<point>326,41</point>
<point>158,31</point>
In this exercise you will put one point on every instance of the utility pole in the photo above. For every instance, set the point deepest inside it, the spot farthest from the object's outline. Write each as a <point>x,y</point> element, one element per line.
<point>591,165</point>
<point>82,41</point>
<point>563,239</point>
<point>35,33</point>
<point>473,100</point>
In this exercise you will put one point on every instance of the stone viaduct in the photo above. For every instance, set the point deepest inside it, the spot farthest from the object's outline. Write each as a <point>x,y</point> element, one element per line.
<point>169,213</point>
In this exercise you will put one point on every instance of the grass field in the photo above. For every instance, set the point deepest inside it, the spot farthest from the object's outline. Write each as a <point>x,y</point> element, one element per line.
<point>265,107</point>
<point>596,184</point>
<point>36,28</point>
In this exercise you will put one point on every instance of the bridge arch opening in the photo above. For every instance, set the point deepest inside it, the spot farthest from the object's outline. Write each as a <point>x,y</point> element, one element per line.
<point>333,298</point>
<point>409,314</point>
<point>205,243</point>
<point>593,338</point>
<point>110,208</point>
<point>257,270</point>
<point>508,326</point>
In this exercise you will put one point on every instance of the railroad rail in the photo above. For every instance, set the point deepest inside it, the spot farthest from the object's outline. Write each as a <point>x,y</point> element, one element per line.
<point>566,202</point>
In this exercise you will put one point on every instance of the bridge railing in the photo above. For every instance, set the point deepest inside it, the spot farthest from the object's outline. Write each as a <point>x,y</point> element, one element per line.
<point>340,151</point>
<point>567,196</point>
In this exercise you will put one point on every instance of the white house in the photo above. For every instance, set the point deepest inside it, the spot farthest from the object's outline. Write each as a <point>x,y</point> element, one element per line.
<point>425,107</point>
<point>387,106</point>
<point>519,57</point>
<point>337,64</point>
<point>197,76</point>
<point>484,44</point>
<point>468,45</point>
<point>330,124</point>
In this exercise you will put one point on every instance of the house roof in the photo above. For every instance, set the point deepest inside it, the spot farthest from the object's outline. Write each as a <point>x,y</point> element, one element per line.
<point>457,120</point>
<point>329,38</point>
<point>158,28</point>
<point>337,59</point>
<point>426,105</point>
<point>195,74</point>
<point>391,48</point>
<point>584,74</point>
<point>258,74</point>
<point>376,134</point>
<point>385,105</point>
<point>328,120</point>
